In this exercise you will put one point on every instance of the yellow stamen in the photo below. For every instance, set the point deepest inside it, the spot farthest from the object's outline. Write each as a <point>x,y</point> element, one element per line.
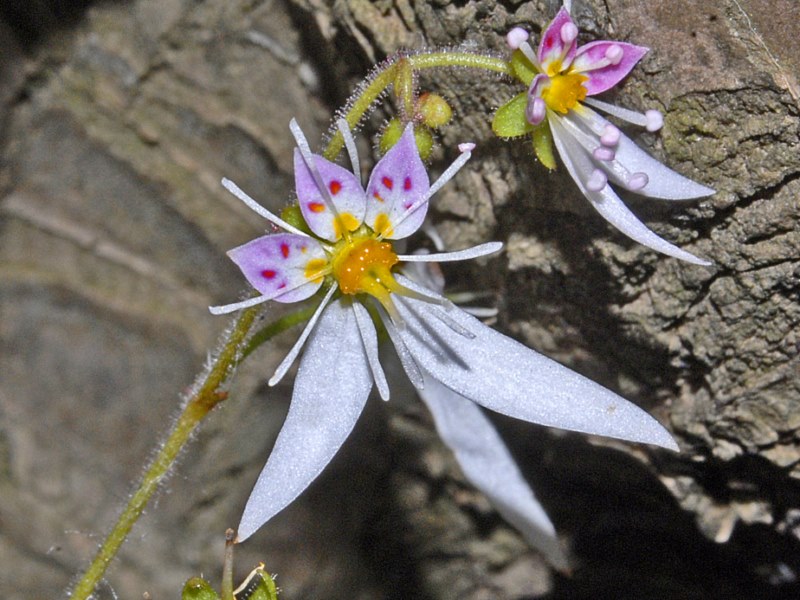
<point>316,269</point>
<point>364,266</point>
<point>564,91</point>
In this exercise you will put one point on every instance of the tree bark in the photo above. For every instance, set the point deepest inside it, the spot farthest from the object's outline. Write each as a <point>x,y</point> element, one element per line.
<point>115,131</point>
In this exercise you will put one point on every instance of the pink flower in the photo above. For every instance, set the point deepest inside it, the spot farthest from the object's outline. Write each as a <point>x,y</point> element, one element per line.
<point>563,79</point>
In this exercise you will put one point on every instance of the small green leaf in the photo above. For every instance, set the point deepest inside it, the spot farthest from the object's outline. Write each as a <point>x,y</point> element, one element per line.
<point>509,120</point>
<point>522,67</point>
<point>198,589</point>
<point>543,145</point>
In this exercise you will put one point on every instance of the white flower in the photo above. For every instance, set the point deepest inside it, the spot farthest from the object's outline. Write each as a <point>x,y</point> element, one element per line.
<point>563,79</point>
<point>351,262</point>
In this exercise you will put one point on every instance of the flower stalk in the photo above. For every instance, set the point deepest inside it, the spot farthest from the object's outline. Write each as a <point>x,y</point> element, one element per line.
<point>239,344</point>
<point>208,396</point>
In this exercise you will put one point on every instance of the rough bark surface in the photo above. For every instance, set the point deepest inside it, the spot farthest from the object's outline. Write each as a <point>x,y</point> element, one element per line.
<point>114,132</point>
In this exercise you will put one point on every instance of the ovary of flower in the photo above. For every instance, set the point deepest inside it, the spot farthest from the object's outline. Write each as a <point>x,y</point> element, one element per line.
<point>562,80</point>
<point>432,338</point>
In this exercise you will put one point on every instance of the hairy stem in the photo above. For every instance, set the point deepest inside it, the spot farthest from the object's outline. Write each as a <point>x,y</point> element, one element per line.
<point>234,349</point>
<point>387,75</point>
<point>198,406</point>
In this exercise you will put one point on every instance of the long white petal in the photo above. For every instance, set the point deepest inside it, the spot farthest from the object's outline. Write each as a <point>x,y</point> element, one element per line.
<point>370,339</point>
<point>606,201</point>
<point>331,389</point>
<point>507,377</point>
<point>487,463</point>
<point>410,365</point>
<point>466,254</point>
<point>663,182</point>
<point>298,345</point>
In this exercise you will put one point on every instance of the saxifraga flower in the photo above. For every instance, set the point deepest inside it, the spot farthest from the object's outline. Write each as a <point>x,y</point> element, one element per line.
<point>562,80</point>
<point>350,261</point>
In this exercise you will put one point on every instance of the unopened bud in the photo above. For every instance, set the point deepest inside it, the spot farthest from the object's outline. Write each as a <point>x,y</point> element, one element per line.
<point>434,110</point>
<point>424,139</point>
<point>391,135</point>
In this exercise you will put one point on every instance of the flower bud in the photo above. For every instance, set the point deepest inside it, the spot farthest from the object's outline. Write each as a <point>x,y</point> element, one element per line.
<point>391,135</point>
<point>434,110</point>
<point>394,130</point>
<point>198,589</point>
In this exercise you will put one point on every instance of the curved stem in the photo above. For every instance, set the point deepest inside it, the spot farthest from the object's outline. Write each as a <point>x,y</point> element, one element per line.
<point>198,406</point>
<point>234,349</point>
<point>386,76</point>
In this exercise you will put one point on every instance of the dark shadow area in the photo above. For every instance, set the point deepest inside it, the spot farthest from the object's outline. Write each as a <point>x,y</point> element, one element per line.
<point>630,539</point>
<point>30,20</point>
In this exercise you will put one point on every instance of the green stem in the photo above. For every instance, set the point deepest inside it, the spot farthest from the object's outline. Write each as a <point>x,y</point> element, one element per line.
<point>431,60</point>
<point>206,398</point>
<point>274,328</point>
<point>226,589</point>
<point>233,352</point>
<point>387,75</point>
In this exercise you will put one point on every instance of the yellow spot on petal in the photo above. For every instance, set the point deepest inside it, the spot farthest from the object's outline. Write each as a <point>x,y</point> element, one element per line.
<point>382,225</point>
<point>345,222</point>
<point>316,269</point>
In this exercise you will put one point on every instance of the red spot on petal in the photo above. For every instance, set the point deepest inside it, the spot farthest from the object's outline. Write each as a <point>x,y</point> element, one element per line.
<point>316,207</point>
<point>285,250</point>
<point>548,42</point>
<point>407,183</point>
<point>407,205</point>
<point>377,196</point>
<point>281,286</point>
<point>387,181</point>
<point>268,274</point>
<point>335,187</point>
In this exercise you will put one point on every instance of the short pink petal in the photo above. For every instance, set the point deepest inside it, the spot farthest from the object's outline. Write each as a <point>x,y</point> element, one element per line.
<point>594,54</point>
<point>398,182</point>
<point>343,188</point>
<point>552,47</point>
<point>280,261</point>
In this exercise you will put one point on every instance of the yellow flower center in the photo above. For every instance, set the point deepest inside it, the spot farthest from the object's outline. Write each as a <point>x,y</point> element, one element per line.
<point>564,91</point>
<point>363,265</point>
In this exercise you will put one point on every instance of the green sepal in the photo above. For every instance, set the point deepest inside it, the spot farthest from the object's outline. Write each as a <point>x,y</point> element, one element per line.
<point>509,120</point>
<point>522,67</point>
<point>198,589</point>
<point>260,587</point>
<point>294,217</point>
<point>543,145</point>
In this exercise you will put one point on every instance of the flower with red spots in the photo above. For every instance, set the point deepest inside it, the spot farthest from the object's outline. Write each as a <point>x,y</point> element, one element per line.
<point>562,79</point>
<point>349,262</point>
